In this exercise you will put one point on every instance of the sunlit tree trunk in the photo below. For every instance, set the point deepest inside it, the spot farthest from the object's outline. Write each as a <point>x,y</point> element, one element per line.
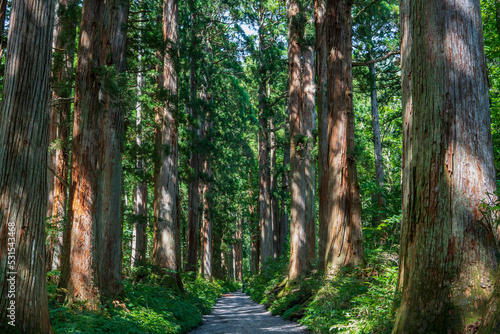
<point>167,247</point>
<point>23,172</point>
<point>110,230</point>
<point>448,254</point>
<point>300,143</point>
<point>344,236</point>
<point>58,161</point>
<point>206,263</point>
<point>80,247</point>
<point>139,236</point>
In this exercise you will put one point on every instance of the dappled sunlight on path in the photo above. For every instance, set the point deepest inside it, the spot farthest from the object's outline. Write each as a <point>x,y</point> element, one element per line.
<point>235,313</point>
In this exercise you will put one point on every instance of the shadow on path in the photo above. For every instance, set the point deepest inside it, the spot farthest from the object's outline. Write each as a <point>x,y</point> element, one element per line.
<point>235,313</point>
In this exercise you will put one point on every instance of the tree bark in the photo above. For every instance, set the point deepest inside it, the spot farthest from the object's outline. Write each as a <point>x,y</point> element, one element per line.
<point>322,106</point>
<point>265,212</point>
<point>254,232</point>
<point>300,146</point>
<point>23,174</point>
<point>167,246</point>
<point>238,252</point>
<point>111,231</point>
<point>377,145</point>
<point>285,191</point>
<point>344,236</point>
<point>448,254</point>
<point>3,16</point>
<point>139,236</point>
<point>308,126</point>
<point>79,272</point>
<point>206,263</point>
<point>273,178</point>
<point>58,161</point>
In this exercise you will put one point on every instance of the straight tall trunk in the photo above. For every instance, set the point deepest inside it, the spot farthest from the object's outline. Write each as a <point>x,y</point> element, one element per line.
<point>377,144</point>
<point>167,243</point>
<point>448,254</point>
<point>79,273</point>
<point>254,232</point>
<point>285,193</point>
<point>265,211</point>
<point>206,263</point>
<point>273,179</point>
<point>308,126</point>
<point>3,16</point>
<point>344,236</point>
<point>23,172</point>
<point>299,249</point>
<point>58,161</point>
<point>322,107</point>
<point>140,199</point>
<point>110,230</point>
<point>238,252</point>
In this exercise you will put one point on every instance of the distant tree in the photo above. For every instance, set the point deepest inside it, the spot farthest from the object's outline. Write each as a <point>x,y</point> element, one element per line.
<point>23,168</point>
<point>448,254</point>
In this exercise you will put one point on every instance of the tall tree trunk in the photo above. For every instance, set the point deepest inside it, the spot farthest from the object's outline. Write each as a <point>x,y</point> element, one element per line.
<point>139,236</point>
<point>238,253</point>
<point>110,230</point>
<point>285,193</point>
<point>206,263</point>
<point>299,251</point>
<point>23,174</point>
<point>194,187</point>
<point>344,236</point>
<point>265,212</point>
<point>322,106</point>
<point>448,254</point>
<point>254,232</point>
<point>79,274</point>
<point>273,179</point>
<point>377,144</point>
<point>3,16</point>
<point>167,246</point>
<point>58,162</point>
<point>308,126</point>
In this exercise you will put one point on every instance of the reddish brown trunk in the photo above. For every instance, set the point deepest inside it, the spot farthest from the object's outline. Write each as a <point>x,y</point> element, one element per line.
<point>3,15</point>
<point>81,247</point>
<point>448,254</point>
<point>285,189</point>
<point>111,231</point>
<point>58,161</point>
<point>238,252</point>
<point>254,232</point>
<point>344,236</point>
<point>23,175</point>
<point>206,263</point>
<point>167,247</point>
<point>273,178</point>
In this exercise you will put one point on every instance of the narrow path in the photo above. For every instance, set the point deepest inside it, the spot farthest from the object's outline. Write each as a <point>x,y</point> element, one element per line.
<point>235,313</point>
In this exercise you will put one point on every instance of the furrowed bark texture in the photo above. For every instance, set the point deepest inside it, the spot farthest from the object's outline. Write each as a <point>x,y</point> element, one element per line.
<point>166,248</point>
<point>308,126</point>
<point>111,231</point>
<point>254,232</point>
<point>206,263</point>
<point>23,172</point>
<point>343,243</point>
<point>3,16</point>
<point>301,106</point>
<point>322,106</point>
<point>79,273</point>
<point>273,177</point>
<point>448,251</point>
<point>58,163</point>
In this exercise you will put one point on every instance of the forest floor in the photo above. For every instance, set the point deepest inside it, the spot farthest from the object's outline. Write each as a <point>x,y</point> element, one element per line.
<point>235,313</point>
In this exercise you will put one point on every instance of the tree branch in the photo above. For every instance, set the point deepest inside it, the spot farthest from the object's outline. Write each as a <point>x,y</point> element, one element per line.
<point>378,60</point>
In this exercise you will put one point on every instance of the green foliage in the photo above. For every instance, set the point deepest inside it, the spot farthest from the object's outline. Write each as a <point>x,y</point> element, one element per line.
<point>356,300</point>
<point>144,307</point>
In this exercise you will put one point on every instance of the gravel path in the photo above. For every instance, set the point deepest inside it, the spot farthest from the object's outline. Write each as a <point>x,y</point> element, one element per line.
<point>235,313</point>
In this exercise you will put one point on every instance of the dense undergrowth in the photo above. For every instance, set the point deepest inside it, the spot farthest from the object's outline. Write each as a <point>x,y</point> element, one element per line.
<point>147,305</point>
<point>356,300</point>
